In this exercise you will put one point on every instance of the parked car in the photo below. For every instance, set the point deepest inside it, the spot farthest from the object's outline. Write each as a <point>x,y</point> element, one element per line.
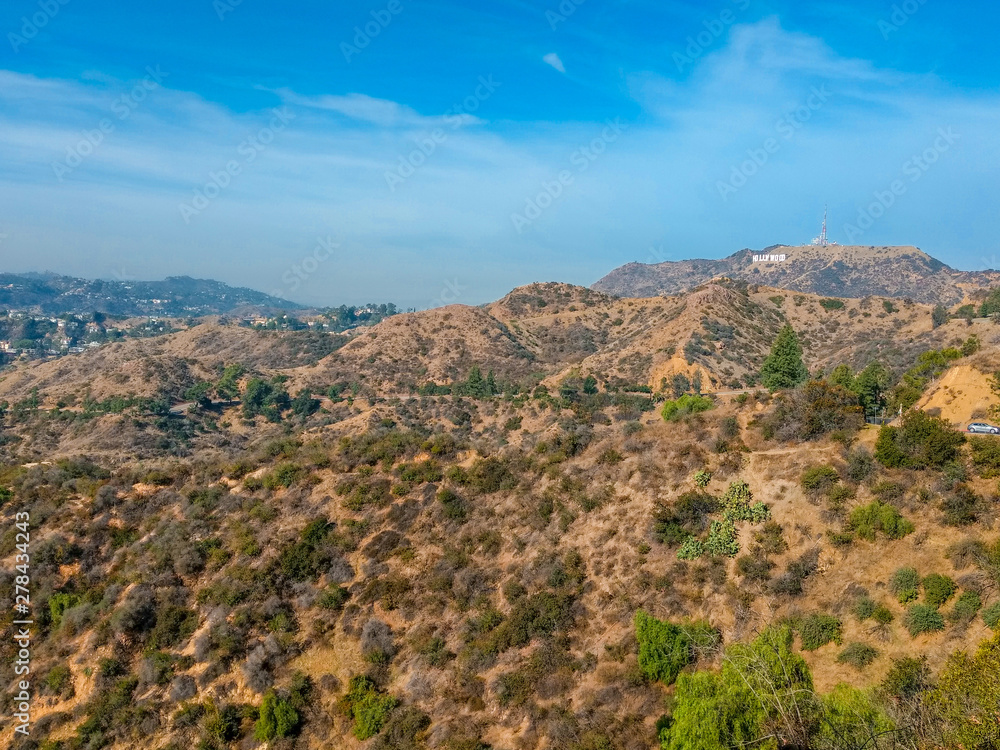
<point>983,427</point>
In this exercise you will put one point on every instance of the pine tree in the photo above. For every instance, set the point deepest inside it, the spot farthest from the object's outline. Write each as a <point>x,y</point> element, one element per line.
<point>784,367</point>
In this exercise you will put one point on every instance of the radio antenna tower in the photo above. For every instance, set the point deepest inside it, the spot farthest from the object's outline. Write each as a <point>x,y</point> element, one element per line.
<point>823,240</point>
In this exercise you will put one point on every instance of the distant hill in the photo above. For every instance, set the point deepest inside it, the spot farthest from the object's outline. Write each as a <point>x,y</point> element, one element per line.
<point>836,271</point>
<point>175,296</point>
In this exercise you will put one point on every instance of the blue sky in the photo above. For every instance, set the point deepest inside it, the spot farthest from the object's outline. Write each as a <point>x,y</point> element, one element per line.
<point>436,152</point>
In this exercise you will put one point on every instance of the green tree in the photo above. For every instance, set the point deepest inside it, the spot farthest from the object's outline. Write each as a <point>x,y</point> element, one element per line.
<point>763,697</point>
<point>266,398</point>
<point>872,384</point>
<point>228,387</point>
<point>784,367</point>
<point>968,694</point>
<point>939,315</point>
<point>843,376</point>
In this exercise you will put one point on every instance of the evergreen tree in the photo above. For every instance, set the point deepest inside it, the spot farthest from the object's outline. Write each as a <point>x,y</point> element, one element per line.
<point>843,377</point>
<point>784,367</point>
<point>939,316</point>
<point>872,384</point>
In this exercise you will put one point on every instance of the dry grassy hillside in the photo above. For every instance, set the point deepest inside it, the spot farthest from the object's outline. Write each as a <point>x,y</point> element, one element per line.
<point>372,565</point>
<point>165,364</point>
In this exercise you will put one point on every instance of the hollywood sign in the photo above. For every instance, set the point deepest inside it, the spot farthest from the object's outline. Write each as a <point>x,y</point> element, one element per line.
<point>770,258</point>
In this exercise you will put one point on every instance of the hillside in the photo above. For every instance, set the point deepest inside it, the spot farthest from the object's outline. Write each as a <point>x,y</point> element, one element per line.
<point>441,532</point>
<point>177,296</point>
<point>834,270</point>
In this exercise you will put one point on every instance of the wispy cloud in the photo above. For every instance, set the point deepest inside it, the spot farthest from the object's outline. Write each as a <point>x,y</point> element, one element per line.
<point>553,59</point>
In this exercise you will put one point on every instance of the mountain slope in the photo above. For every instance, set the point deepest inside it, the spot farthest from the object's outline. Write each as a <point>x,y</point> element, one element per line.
<point>175,296</point>
<point>835,271</point>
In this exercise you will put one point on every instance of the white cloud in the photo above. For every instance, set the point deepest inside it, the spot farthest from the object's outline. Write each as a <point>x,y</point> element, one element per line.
<point>553,59</point>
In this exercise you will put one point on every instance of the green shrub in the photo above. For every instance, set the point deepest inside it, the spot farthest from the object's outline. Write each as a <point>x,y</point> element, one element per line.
<point>488,475</point>
<point>404,729</point>
<point>59,680</point>
<point>905,584</point>
<point>858,655</point>
<point>922,618</point>
<point>283,475</point>
<point>818,629</point>
<point>986,456</point>
<point>362,492</point>
<point>59,603</point>
<point>737,506</point>
<point>665,649</point>
<point>771,538</point>
<point>688,515</point>
<point>837,497</point>
<point>721,540</point>
<point>860,464</point>
<point>277,718</point>
<point>691,549</point>
<point>937,589</point>
<point>754,567</point>
<point>306,559</point>
<point>369,707</point>
<point>961,506</point>
<point>867,520</point>
<point>966,607</point>
<point>702,478</point>
<point>819,479</point>
<point>919,442</point>
<point>864,607</point>
<point>831,304</point>
<point>454,506</point>
<point>882,615</point>
<point>174,624</point>
<point>686,404</point>
<point>991,615</point>
<point>334,598</point>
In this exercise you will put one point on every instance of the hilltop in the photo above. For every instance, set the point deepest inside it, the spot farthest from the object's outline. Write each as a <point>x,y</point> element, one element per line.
<point>833,270</point>
<point>176,296</point>
<point>544,332</point>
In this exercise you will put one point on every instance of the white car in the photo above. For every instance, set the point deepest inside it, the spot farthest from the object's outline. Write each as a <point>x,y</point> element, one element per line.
<point>983,427</point>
